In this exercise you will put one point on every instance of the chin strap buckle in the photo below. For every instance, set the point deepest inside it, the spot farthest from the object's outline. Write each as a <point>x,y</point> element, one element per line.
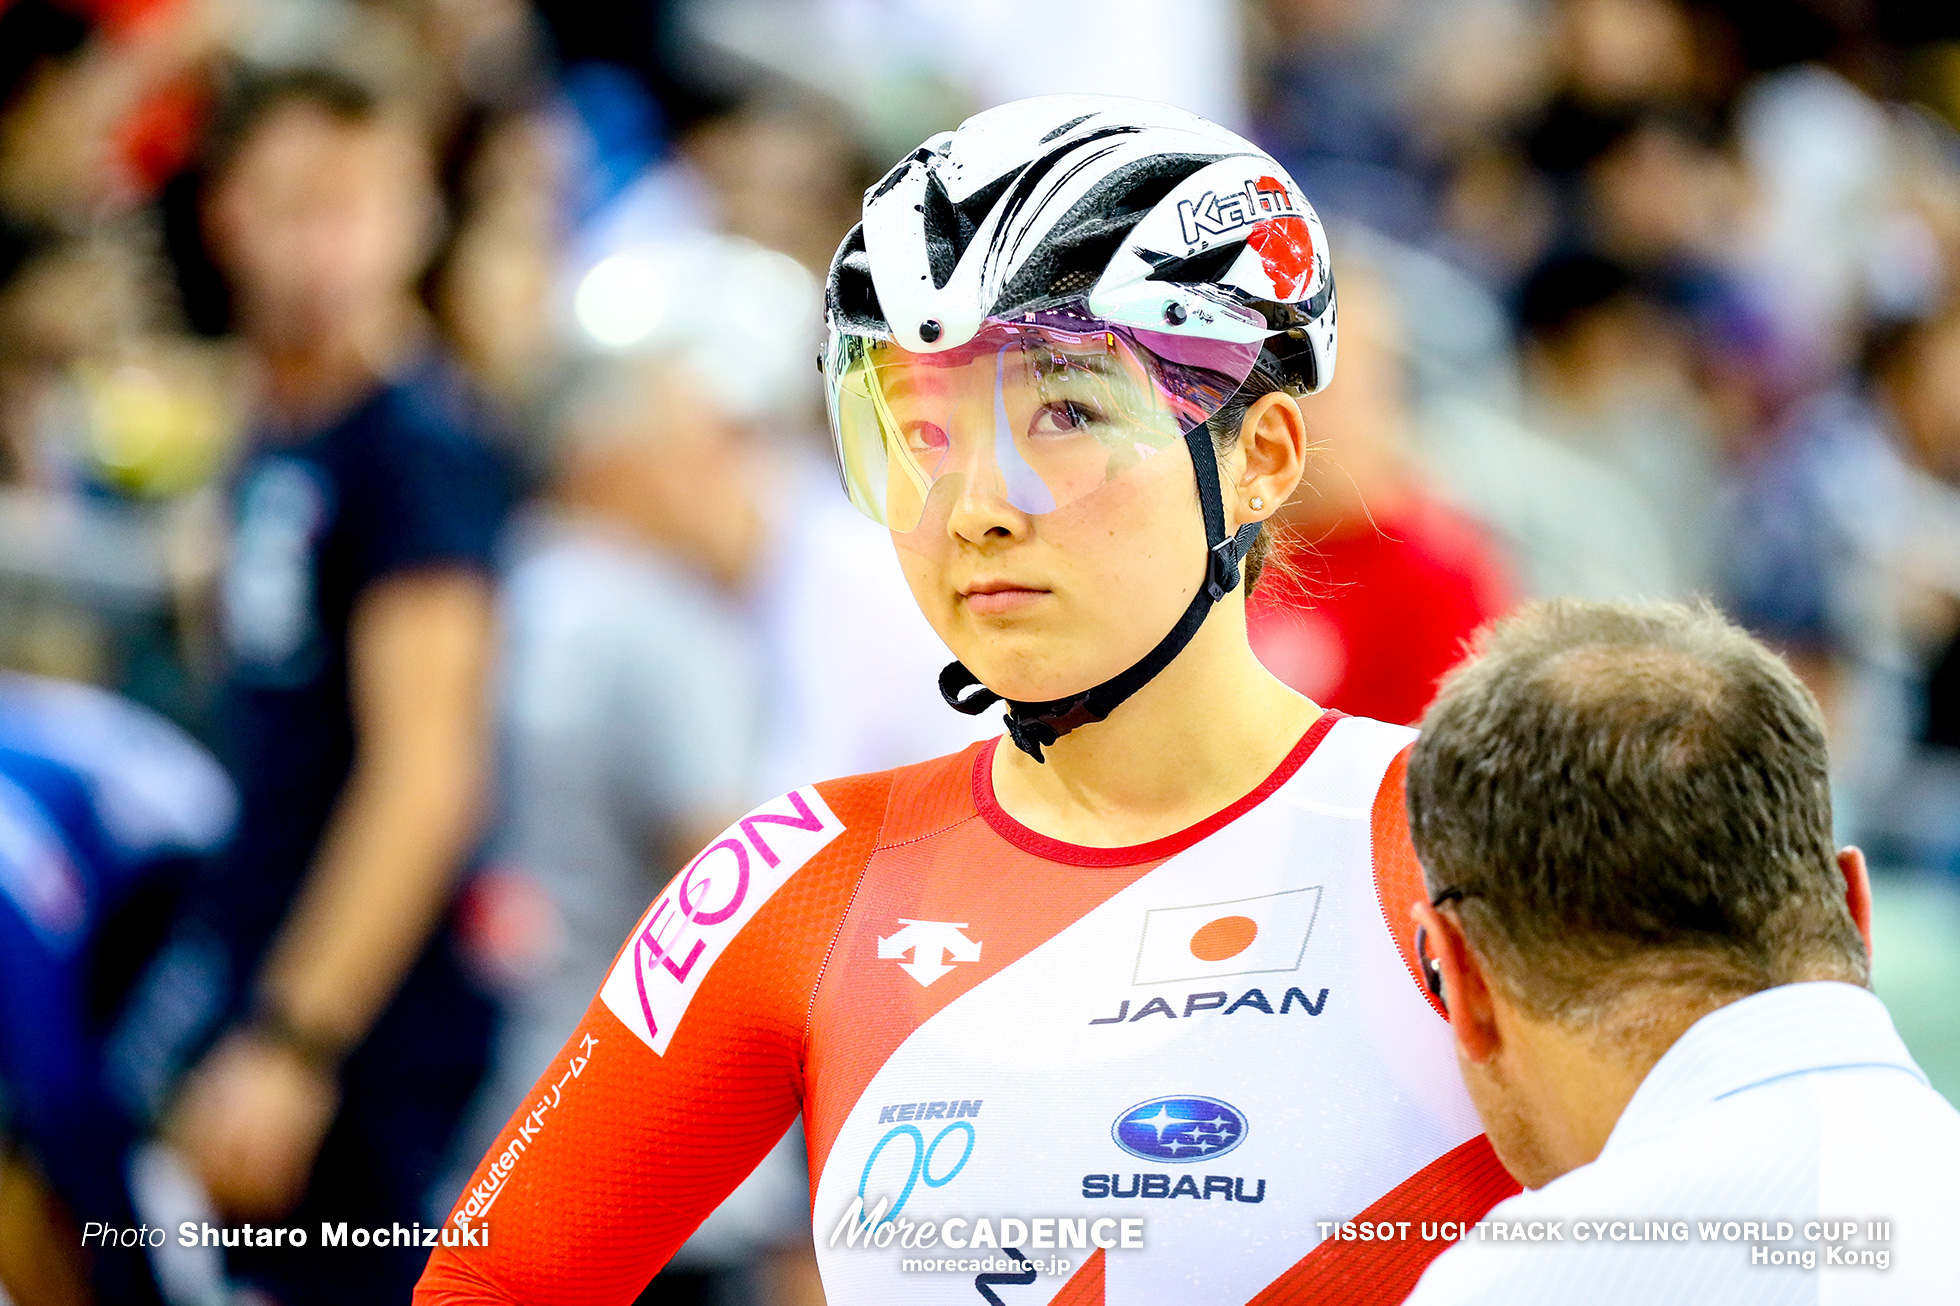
<point>1032,726</point>
<point>1222,570</point>
<point>1222,563</point>
<point>1031,736</point>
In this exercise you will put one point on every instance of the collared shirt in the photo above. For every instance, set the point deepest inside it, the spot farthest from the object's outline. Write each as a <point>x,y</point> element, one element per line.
<point>1785,1150</point>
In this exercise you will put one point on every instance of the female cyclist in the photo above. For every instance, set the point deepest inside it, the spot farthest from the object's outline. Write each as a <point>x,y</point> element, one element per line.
<point>1135,996</point>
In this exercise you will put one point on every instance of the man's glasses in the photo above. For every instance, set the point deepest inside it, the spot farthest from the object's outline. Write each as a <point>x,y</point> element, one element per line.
<point>1432,970</point>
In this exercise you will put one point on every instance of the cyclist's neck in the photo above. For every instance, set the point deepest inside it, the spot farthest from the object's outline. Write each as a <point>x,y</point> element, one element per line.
<point>1201,735</point>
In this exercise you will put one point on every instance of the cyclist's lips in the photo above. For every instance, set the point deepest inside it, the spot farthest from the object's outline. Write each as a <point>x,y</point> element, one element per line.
<point>999,598</point>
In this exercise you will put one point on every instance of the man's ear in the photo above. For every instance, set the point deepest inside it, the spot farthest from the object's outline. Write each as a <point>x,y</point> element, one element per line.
<point>1273,441</point>
<point>1466,989</point>
<point>1857,891</point>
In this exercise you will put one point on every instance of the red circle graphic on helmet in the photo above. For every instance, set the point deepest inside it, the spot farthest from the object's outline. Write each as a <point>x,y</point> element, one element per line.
<point>1285,247</point>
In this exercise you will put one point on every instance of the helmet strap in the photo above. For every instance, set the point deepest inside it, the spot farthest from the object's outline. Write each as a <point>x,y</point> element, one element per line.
<point>1033,726</point>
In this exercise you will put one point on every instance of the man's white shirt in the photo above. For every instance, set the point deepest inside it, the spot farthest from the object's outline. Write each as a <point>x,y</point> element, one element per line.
<point>1768,1127</point>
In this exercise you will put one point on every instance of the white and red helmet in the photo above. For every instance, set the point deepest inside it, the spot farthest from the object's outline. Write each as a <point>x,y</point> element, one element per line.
<point>1154,217</point>
<point>1047,300</point>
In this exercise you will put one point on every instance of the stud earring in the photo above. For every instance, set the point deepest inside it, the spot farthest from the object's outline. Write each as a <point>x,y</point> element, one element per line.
<point>1257,504</point>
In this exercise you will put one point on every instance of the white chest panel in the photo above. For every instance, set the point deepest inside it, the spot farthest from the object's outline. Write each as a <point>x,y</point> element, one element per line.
<point>1235,1031</point>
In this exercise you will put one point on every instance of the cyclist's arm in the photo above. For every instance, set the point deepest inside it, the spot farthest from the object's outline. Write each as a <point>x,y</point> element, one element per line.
<point>685,1071</point>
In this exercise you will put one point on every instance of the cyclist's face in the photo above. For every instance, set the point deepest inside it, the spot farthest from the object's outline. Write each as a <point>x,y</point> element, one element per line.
<point>1037,481</point>
<point>1040,605</point>
<point>1043,420</point>
<point>1043,412</point>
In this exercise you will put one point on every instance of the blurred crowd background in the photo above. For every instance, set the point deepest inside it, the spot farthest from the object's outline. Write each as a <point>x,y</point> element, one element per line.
<point>411,405</point>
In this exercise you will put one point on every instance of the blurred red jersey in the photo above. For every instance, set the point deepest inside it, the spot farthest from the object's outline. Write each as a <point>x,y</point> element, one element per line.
<point>1030,1072</point>
<point>1368,619</point>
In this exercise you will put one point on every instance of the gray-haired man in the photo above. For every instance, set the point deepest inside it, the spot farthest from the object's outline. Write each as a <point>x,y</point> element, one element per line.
<point>1655,960</point>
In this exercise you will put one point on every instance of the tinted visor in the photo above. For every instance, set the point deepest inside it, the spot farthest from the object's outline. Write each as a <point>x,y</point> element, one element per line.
<point>1043,409</point>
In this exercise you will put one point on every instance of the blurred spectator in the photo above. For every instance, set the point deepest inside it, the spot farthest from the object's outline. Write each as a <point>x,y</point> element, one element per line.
<point>1663,194</point>
<point>335,1036</point>
<point>1377,583</point>
<point>1611,58</point>
<point>850,667</point>
<point>103,105</point>
<point>494,286</point>
<point>1820,157</point>
<point>103,806</point>
<point>1336,115</point>
<point>1846,547</point>
<point>630,696</point>
<point>1567,524</point>
<point>787,176</point>
<point>1608,373</point>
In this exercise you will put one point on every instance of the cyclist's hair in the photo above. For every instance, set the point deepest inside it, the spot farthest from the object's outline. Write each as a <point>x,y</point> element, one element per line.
<point>1632,799</point>
<point>1268,376</point>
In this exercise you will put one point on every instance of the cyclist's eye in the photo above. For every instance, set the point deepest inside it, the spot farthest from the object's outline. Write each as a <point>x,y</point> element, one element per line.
<point>1063,417</point>
<point>925,438</point>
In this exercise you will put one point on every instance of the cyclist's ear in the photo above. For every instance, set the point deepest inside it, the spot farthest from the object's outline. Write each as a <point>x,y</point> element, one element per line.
<point>1269,459</point>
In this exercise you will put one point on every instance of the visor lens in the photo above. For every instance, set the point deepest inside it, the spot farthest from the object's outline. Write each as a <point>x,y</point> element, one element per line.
<point>1042,411</point>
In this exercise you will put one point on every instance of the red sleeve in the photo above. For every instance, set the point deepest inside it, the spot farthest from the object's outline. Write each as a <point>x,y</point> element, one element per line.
<point>1399,881</point>
<point>686,1070</point>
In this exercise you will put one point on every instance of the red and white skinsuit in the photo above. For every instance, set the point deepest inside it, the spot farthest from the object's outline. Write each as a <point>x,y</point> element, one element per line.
<point>1220,1033</point>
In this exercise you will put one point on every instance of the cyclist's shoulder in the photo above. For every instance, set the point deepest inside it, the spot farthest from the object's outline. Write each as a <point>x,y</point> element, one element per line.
<point>1354,736</point>
<point>1358,768</point>
<point>1369,761</point>
<point>1350,762</point>
<point>908,802</point>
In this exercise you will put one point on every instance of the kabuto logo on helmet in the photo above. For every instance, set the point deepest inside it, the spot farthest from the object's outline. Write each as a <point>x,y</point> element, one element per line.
<point>1210,215</point>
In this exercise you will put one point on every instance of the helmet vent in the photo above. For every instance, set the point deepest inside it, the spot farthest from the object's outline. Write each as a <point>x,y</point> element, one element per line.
<point>945,238</point>
<point>1206,265</point>
<point>852,297</point>
<point>1071,283</point>
<point>1066,128</point>
<point>1080,246</point>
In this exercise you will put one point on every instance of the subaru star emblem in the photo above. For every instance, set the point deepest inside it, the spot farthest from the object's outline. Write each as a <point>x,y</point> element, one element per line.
<point>1179,1129</point>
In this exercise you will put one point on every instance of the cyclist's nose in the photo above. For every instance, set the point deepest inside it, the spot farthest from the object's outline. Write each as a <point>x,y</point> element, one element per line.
<point>975,497</point>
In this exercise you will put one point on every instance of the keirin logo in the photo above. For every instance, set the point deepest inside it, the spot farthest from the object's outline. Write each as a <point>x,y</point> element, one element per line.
<point>922,1155</point>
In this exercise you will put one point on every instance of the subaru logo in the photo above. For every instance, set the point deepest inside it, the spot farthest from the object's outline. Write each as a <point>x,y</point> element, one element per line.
<point>1179,1129</point>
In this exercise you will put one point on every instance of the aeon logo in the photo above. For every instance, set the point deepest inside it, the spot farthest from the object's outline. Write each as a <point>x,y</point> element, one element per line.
<point>701,912</point>
<point>1179,1129</point>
